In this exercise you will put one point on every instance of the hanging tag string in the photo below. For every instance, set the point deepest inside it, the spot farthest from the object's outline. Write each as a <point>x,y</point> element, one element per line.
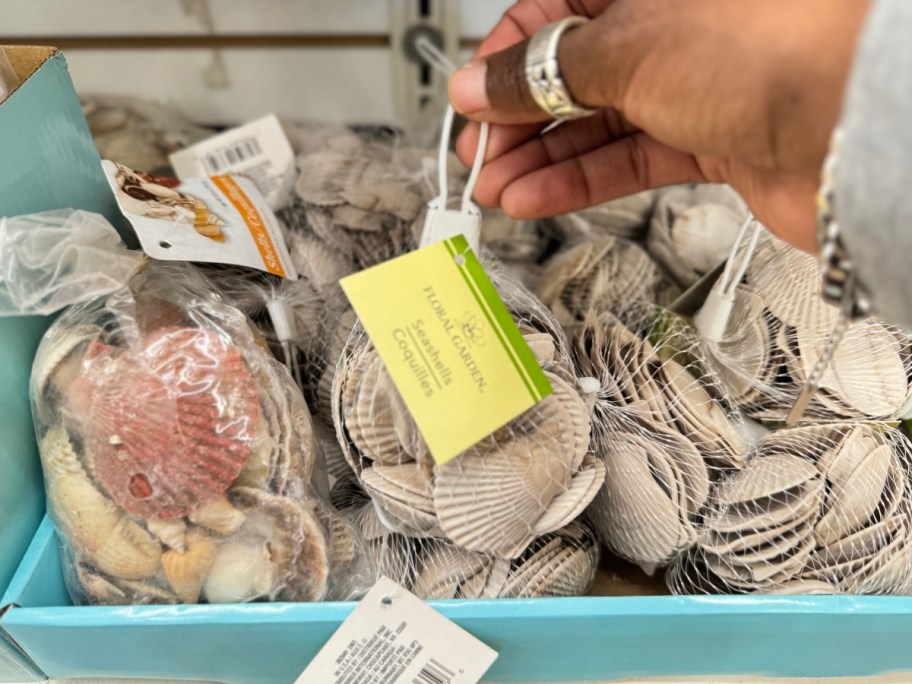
<point>729,279</point>
<point>712,319</point>
<point>433,56</point>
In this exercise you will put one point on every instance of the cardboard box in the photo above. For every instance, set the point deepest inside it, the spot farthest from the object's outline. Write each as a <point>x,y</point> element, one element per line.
<point>48,162</point>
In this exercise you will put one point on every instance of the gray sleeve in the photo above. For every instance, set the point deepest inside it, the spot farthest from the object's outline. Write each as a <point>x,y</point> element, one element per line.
<point>873,198</point>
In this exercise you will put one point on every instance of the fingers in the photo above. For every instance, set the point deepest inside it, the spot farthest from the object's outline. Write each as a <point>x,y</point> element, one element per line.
<point>595,71</point>
<point>620,168</point>
<point>572,139</point>
<point>501,139</point>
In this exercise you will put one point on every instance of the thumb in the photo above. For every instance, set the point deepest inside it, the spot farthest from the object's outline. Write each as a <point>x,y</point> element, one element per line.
<point>595,61</point>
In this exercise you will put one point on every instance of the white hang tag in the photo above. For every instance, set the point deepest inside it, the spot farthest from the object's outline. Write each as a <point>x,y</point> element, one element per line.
<point>393,637</point>
<point>220,220</point>
<point>445,224</point>
<point>259,150</point>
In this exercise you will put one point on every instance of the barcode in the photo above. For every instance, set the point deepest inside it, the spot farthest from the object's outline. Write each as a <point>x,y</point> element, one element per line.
<point>434,673</point>
<point>226,157</point>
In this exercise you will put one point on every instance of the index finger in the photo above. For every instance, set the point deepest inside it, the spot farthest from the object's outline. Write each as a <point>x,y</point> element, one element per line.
<point>527,16</point>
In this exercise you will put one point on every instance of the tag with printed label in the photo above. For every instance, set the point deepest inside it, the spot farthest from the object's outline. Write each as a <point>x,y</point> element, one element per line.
<point>453,350</point>
<point>259,150</point>
<point>393,637</point>
<point>223,220</point>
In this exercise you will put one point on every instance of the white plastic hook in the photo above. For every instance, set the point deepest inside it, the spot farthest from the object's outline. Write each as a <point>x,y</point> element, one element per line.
<point>442,223</point>
<point>712,319</point>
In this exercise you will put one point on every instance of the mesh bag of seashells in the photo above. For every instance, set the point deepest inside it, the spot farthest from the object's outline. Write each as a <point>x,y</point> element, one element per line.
<point>775,335</point>
<point>179,456</point>
<point>507,505</point>
<point>819,509</point>
<point>663,427</point>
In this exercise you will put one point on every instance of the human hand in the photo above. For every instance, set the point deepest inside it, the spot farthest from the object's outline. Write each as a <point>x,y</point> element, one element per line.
<point>744,92</point>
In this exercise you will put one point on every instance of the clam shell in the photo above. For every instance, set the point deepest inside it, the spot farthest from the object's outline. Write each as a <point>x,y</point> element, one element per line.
<point>799,305</point>
<point>700,418</point>
<point>372,418</point>
<point>172,533</point>
<point>702,235</point>
<point>635,514</point>
<point>854,498</point>
<point>218,515</point>
<point>765,477</point>
<point>405,494</point>
<point>866,372</point>
<point>99,532</point>
<point>569,505</point>
<point>490,498</point>
<point>57,362</point>
<point>169,427</point>
<point>445,571</point>
<point>489,501</point>
<point>242,571</point>
<point>109,591</point>
<point>294,538</point>
<point>603,275</point>
<point>186,571</point>
<point>563,565</point>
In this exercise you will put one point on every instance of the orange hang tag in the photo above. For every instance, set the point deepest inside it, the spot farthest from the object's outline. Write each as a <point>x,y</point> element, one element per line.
<point>222,219</point>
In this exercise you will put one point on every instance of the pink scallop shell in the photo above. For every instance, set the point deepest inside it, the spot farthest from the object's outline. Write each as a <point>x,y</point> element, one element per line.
<point>170,426</point>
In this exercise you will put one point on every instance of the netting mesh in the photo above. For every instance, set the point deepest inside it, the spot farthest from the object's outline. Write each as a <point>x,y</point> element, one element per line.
<point>660,427</point>
<point>528,478</point>
<point>179,456</point>
<point>692,230</point>
<point>820,509</point>
<point>624,218</point>
<point>559,563</point>
<point>605,275</point>
<point>775,336</point>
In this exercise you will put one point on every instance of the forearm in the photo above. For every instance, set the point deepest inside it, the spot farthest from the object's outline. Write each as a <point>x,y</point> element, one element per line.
<point>874,178</point>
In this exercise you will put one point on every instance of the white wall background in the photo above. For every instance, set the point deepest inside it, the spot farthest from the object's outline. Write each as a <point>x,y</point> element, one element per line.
<point>318,59</point>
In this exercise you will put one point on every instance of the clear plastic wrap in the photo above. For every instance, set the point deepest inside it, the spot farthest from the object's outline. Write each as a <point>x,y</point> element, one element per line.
<point>776,333</point>
<point>531,477</point>
<point>559,563</point>
<point>179,457</point>
<point>57,258</point>
<point>662,427</point>
<point>821,509</point>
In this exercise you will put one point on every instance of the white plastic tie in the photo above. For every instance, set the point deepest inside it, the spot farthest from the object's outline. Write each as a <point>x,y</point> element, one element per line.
<point>442,223</point>
<point>282,316</point>
<point>712,319</point>
<point>589,385</point>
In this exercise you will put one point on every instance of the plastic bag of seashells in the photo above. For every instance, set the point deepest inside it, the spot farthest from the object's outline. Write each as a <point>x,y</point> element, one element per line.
<point>776,333</point>
<point>663,428</point>
<point>558,563</point>
<point>531,477</point>
<point>179,457</point>
<point>821,509</point>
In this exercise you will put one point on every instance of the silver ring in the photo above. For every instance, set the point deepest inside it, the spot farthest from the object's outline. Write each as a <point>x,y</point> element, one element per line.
<point>543,72</point>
